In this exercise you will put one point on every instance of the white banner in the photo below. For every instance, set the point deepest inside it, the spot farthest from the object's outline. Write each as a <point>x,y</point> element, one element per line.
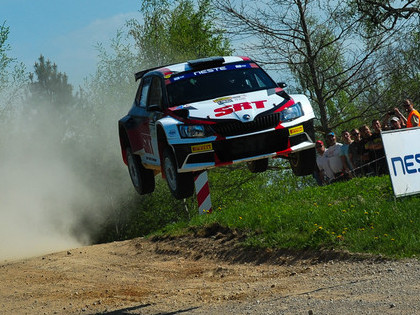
<point>402,150</point>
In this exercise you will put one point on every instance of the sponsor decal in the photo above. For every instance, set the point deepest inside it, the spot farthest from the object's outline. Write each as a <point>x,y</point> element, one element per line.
<point>167,73</point>
<point>403,157</point>
<point>201,147</point>
<point>229,109</point>
<point>229,99</point>
<point>150,159</point>
<point>189,75</point>
<point>178,78</point>
<point>223,100</point>
<point>296,130</point>
<point>408,164</point>
<point>210,70</point>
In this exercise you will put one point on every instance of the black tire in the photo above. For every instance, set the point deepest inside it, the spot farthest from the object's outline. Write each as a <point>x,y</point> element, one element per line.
<point>258,166</point>
<point>303,162</point>
<point>143,179</point>
<point>181,185</point>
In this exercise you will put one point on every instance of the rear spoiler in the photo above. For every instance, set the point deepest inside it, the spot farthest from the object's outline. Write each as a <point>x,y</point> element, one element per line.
<point>140,74</point>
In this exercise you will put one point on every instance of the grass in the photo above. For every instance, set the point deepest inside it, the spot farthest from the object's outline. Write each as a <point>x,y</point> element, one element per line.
<point>360,216</point>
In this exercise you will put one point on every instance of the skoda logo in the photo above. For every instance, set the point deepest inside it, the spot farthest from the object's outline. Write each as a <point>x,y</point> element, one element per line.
<point>246,117</point>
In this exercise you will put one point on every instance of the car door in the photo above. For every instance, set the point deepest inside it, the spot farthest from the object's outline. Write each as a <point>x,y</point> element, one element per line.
<point>154,107</point>
<point>146,111</point>
<point>138,124</point>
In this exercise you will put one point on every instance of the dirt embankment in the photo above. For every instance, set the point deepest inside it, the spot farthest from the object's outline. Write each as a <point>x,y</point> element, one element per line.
<point>206,274</point>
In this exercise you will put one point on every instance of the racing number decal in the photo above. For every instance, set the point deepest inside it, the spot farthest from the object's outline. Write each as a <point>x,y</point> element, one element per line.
<point>228,109</point>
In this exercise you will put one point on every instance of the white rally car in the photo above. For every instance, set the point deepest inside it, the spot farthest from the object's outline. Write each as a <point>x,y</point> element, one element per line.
<point>205,113</point>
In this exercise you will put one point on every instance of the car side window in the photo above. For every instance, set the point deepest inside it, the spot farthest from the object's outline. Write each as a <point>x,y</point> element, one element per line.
<point>155,97</point>
<point>138,94</point>
<point>142,92</point>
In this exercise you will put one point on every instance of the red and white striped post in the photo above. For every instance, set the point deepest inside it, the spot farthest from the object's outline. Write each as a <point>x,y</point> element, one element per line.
<point>202,191</point>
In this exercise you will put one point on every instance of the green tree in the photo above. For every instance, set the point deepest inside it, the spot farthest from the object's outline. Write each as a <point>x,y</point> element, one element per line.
<point>176,31</point>
<point>4,59</point>
<point>12,78</point>
<point>402,72</point>
<point>50,85</point>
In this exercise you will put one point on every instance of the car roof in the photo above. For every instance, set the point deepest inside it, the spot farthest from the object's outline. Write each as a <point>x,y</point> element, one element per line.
<point>197,64</point>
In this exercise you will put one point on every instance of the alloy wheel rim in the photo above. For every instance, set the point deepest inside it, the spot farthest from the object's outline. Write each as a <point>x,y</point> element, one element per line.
<point>169,173</point>
<point>133,171</point>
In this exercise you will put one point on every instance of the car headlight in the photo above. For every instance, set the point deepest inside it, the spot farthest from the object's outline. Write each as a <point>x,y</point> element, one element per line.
<point>192,131</point>
<point>292,112</point>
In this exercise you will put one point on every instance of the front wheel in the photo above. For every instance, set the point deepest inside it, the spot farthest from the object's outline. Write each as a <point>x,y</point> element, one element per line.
<point>303,162</point>
<point>181,185</point>
<point>143,179</point>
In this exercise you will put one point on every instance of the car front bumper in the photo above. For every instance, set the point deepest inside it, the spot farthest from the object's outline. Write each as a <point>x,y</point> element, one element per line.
<point>231,150</point>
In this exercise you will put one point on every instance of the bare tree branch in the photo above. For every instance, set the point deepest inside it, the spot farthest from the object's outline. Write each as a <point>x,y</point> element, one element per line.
<point>325,46</point>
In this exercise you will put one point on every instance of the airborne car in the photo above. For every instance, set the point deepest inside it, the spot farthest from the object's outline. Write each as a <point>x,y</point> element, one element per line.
<point>211,112</point>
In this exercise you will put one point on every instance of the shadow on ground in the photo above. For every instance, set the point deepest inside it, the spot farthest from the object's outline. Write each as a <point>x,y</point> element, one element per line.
<point>129,310</point>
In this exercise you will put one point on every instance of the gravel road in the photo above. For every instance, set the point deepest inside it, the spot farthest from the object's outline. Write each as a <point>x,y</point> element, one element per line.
<point>206,274</point>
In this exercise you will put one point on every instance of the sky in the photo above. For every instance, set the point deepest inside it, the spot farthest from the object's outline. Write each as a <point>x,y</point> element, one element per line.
<point>64,31</point>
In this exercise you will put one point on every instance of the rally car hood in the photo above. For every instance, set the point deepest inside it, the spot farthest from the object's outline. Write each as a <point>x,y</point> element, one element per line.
<point>242,107</point>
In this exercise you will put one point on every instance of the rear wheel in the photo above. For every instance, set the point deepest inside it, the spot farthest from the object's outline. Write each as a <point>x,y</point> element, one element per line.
<point>142,178</point>
<point>258,166</point>
<point>303,162</point>
<point>181,185</point>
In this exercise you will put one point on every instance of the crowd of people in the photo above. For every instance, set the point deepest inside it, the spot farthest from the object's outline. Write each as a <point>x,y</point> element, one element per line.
<point>361,152</point>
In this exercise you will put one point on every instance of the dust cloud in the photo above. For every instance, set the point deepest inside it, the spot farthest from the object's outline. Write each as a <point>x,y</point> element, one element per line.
<point>44,192</point>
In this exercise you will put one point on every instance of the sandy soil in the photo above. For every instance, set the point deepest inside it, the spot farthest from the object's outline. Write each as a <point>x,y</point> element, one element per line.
<point>206,274</point>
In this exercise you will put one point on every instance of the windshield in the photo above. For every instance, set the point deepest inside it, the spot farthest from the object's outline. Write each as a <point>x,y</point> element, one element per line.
<point>212,83</point>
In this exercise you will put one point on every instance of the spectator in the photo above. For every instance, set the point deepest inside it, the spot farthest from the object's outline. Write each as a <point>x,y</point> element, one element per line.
<point>355,152</point>
<point>317,173</point>
<point>413,118</point>
<point>345,158</point>
<point>386,122</point>
<point>395,123</point>
<point>325,173</point>
<point>365,142</point>
<point>333,155</point>
<point>376,149</point>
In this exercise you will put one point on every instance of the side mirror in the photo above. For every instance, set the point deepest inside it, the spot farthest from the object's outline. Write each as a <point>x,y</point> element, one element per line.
<point>183,113</point>
<point>282,84</point>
